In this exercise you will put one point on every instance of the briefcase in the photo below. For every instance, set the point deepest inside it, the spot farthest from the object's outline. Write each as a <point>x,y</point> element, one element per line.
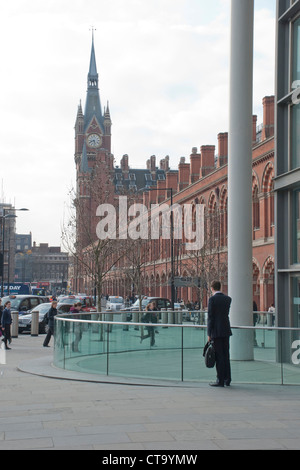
<point>209,355</point>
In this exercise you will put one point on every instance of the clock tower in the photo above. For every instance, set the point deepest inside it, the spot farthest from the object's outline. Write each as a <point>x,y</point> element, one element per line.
<point>93,127</point>
<point>93,159</point>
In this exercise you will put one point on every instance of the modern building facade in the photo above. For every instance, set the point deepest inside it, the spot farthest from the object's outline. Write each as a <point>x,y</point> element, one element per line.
<point>287,164</point>
<point>23,258</point>
<point>42,266</point>
<point>50,266</point>
<point>7,247</point>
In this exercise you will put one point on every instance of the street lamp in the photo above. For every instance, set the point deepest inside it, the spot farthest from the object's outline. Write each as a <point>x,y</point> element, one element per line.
<point>173,294</point>
<point>6,216</point>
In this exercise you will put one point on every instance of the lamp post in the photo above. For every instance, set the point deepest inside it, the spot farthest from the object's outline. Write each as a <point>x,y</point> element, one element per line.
<point>173,294</point>
<point>6,216</point>
<point>240,177</point>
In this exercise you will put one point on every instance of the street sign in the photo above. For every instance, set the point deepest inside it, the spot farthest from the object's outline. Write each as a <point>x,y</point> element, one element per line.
<point>187,281</point>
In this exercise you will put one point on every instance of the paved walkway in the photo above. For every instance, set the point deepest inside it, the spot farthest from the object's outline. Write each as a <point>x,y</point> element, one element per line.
<point>47,411</point>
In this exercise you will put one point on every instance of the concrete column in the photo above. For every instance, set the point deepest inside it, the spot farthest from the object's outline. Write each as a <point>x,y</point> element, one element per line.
<point>240,177</point>
<point>15,324</point>
<point>124,319</point>
<point>170,316</point>
<point>34,323</point>
<point>164,316</point>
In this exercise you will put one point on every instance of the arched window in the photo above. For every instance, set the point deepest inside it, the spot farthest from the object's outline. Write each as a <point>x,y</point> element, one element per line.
<point>268,190</point>
<point>223,217</point>
<point>255,208</point>
<point>213,223</point>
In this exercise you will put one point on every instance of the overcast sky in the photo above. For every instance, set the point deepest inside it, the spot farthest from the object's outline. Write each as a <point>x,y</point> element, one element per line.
<point>163,66</point>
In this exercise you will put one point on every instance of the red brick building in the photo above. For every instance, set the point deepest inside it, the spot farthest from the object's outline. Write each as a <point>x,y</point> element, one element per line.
<point>202,180</point>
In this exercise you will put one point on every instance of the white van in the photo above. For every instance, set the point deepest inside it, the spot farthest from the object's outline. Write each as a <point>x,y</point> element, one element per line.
<point>115,303</point>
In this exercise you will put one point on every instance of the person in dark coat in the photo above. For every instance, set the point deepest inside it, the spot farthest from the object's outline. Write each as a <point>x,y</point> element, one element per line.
<point>149,317</point>
<point>77,326</point>
<point>219,331</point>
<point>50,317</point>
<point>6,321</point>
<point>1,310</point>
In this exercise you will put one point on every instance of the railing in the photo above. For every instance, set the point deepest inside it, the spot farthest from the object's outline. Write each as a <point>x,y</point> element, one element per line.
<point>87,344</point>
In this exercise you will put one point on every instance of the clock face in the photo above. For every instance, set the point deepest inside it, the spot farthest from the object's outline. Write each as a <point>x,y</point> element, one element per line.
<point>94,140</point>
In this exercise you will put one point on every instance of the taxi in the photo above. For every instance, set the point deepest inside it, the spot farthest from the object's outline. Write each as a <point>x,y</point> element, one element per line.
<point>67,302</point>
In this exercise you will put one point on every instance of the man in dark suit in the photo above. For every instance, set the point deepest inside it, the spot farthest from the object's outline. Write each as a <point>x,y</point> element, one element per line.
<point>219,331</point>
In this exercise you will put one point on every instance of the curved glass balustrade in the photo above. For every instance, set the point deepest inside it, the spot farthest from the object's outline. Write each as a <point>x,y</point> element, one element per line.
<point>83,343</point>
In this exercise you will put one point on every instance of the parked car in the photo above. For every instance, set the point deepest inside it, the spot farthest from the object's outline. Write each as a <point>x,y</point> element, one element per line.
<point>23,303</point>
<point>178,306</point>
<point>26,320</point>
<point>115,303</point>
<point>160,303</point>
<point>64,305</point>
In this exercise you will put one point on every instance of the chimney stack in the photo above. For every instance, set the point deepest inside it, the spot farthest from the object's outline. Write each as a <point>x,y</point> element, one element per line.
<point>268,120</point>
<point>124,163</point>
<point>207,159</point>
<point>153,166</point>
<point>254,126</point>
<point>164,163</point>
<point>183,174</point>
<point>172,181</point>
<point>161,191</point>
<point>195,159</point>
<point>222,149</point>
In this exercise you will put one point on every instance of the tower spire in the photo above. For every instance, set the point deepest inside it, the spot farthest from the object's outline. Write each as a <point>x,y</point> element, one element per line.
<point>93,29</point>
<point>93,103</point>
<point>93,75</point>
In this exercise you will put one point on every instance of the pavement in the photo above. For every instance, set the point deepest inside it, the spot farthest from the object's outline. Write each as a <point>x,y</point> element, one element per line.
<point>45,408</point>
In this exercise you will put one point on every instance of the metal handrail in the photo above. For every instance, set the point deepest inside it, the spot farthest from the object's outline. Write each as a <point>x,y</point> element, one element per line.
<point>64,317</point>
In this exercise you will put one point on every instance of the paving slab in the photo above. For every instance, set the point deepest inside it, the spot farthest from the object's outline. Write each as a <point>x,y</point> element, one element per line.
<point>43,407</point>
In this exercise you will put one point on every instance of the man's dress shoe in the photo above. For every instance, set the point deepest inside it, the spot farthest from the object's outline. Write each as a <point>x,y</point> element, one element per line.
<point>216,384</point>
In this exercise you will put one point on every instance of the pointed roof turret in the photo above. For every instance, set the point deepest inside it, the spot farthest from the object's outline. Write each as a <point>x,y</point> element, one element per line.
<point>93,103</point>
<point>79,112</point>
<point>107,112</point>
<point>79,123</point>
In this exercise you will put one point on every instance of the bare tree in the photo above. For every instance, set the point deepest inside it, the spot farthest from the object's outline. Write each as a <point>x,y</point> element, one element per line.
<point>93,257</point>
<point>209,262</point>
<point>135,261</point>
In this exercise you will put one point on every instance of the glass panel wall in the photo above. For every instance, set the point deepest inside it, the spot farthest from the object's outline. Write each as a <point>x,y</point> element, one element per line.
<point>138,352</point>
<point>296,300</point>
<point>295,107</point>
<point>296,227</point>
<point>295,136</point>
<point>296,50</point>
<point>173,352</point>
<point>291,365</point>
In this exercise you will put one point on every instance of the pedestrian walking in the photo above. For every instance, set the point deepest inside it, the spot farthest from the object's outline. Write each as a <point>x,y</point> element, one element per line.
<point>271,312</point>
<point>149,317</point>
<point>219,331</point>
<point>1,310</point>
<point>77,327</point>
<point>255,321</point>
<point>6,322</point>
<point>50,318</point>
